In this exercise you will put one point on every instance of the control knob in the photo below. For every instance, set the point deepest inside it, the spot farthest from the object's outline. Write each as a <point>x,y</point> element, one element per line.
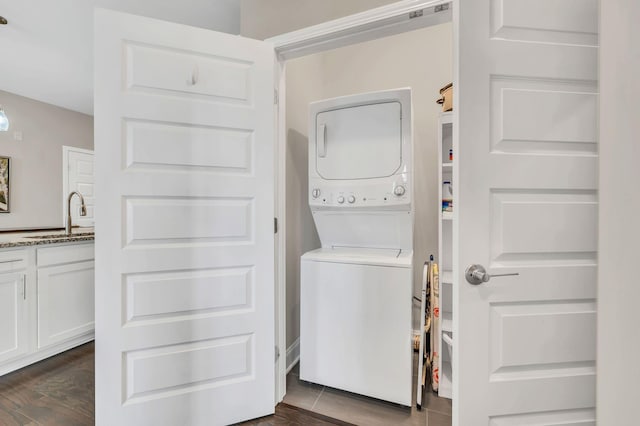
<point>351,199</point>
<point>315,193</point>
<point>341,199</point>
<point>399,190</point>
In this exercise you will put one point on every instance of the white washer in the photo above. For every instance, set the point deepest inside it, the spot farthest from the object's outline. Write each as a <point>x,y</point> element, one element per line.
<point>355,314</point>
<point>356,291</point>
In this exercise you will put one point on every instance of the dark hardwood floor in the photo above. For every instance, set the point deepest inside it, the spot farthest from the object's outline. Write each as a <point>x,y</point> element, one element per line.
<point>56,391</point>
<point>59,391</point>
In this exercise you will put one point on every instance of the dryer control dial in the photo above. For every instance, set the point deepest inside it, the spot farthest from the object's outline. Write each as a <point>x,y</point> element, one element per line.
<point>341,199</point>
<point>351,199</point>
<point>399,190</point>
<point>315,192</point>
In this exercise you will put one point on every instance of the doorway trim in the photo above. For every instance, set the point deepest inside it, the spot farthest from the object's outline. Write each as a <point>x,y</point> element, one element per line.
<point>400,17</point>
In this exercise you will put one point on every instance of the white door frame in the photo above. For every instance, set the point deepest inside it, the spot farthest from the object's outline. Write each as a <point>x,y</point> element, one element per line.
<point>396,18</point>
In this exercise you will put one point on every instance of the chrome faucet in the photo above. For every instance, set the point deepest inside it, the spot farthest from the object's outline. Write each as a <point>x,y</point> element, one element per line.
<point>83,209</point>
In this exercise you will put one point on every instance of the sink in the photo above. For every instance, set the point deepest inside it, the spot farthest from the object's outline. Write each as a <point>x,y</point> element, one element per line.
<point>57,236</point>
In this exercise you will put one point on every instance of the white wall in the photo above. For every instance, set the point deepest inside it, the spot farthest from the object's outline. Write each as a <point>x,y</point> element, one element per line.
<point>262,19</point>
<point>217,15</point>
<point>36,161</point>
<point>618,284</point>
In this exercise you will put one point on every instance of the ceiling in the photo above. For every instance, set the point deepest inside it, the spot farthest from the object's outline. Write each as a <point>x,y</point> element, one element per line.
<point>47,48</point>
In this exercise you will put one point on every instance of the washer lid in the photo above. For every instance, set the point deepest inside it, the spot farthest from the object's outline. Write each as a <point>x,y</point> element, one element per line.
<point>359,142</point>
<point>361,256</point>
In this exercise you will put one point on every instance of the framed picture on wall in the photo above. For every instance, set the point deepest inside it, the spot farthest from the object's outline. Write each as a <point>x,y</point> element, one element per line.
<point>5,164</point>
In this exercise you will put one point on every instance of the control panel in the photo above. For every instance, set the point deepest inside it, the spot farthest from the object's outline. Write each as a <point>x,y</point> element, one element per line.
<point>328,194</point>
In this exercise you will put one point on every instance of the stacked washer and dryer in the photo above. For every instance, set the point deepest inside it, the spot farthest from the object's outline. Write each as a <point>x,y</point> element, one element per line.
<point>356,290</point>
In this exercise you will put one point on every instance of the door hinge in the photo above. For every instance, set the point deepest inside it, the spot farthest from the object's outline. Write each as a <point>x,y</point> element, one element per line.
<point>277,353</point>
<point>275,96</point>
<point>275,225</point>
<point>441,8</point>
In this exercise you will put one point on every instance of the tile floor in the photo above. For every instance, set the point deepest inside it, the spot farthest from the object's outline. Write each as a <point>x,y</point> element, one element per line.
<point>361,410</point>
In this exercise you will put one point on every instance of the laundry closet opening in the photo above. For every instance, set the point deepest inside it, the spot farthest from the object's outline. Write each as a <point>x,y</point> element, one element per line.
<point>420,62</point>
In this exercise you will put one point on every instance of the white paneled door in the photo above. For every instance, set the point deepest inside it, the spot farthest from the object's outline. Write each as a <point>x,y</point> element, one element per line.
<point>77,165</point>
<point>184,236</point>
<point>526,156</point>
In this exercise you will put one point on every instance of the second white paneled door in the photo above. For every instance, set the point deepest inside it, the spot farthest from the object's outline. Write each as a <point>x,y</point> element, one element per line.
<point>78,176</point>
<point>526,177</point>
<point>184,238</point>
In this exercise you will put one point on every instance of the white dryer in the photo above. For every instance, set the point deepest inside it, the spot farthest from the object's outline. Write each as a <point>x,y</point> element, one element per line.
<point>356,291</point>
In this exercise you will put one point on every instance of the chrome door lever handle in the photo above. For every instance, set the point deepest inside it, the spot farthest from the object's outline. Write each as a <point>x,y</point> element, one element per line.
<point>476,274</point>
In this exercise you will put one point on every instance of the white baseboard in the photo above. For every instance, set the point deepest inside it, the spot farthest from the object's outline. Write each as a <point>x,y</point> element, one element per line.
<point>47,352</point>
<point>293,354</point>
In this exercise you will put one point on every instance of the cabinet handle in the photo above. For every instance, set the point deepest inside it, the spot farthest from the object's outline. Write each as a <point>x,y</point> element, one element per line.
<point>23,279</point>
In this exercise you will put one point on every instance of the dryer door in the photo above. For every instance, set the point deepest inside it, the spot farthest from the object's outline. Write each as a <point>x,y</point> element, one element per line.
<point>359,142</point>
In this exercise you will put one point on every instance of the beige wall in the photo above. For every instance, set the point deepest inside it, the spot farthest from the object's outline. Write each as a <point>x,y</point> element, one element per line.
<point>304,85</point>
<point>421,60</point>
<point>36,161</point>
<point>618,289</point>
<point>262,19</point>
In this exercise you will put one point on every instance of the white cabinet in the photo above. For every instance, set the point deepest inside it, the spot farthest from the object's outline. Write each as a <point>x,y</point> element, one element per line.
<point>65,302</point>
<point>46,302</point>
<point>13,316</point>
<point>65,292</point>
<point>444,328</point>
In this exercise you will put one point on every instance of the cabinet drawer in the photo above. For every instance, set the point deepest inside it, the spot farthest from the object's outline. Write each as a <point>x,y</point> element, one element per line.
<point>13,260</point>
<point>64,254</point>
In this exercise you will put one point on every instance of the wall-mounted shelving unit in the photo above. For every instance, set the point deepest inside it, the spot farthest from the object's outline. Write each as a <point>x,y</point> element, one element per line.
<point>445,254</point>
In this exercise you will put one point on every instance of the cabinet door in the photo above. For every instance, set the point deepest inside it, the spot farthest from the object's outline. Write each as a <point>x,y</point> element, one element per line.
<point>13,319</point>
<point>65,302</point>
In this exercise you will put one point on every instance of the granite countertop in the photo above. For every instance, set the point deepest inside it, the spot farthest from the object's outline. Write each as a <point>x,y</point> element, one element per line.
<point>35,238</point>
